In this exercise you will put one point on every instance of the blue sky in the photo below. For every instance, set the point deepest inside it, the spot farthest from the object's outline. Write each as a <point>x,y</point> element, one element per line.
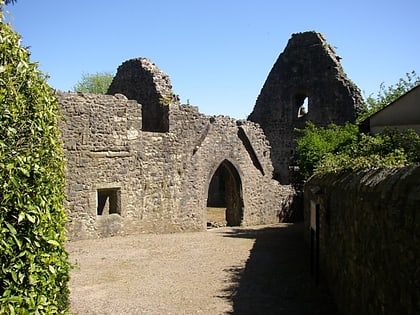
<point>217,53</point>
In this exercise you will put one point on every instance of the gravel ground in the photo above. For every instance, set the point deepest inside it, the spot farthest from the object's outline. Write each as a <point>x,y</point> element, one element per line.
<point>252,270</point>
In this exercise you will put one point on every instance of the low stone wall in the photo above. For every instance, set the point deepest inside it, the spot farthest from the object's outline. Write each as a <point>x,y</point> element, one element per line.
<point>366,227</point>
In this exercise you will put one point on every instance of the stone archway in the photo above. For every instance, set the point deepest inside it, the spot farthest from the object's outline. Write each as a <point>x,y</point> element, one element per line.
<point>225,194</point>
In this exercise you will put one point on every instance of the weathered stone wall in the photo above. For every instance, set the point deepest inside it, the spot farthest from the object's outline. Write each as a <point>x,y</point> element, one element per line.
<point>141,80</point>
<point>146,165</point>
<point>369,238</point>
<point>161,179</point>
<point>99,137</point>
<point>307,68</point>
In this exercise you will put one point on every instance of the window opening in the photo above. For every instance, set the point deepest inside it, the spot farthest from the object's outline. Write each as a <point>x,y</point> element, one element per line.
<point>109,201</point>
<point>304,107</point>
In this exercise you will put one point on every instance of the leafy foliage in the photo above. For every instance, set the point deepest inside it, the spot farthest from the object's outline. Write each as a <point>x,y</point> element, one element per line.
<point>338,148</point>
<point>34,264</point>
<point>391,148</point>
<point>316,142</point>
<point>97,83</point>
<point>387,95</point>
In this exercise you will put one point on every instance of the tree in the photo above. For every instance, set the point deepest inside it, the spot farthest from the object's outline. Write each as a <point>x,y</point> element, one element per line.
<point>387,95</point>
<point>34,264</point>
<point>97,83</point>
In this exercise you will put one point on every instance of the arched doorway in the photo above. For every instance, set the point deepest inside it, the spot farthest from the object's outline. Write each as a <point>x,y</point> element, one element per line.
<point>224,201</point>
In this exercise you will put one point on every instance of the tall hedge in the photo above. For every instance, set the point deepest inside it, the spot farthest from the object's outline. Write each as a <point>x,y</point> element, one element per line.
<point>34,268</point>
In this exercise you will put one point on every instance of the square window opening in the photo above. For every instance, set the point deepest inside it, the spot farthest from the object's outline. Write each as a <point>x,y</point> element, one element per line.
<point>108,201</point>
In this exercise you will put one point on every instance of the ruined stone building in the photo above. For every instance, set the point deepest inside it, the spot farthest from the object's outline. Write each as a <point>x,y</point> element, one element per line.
<point>123,178</point>
<point>138,161</point>
<point>306,83</point>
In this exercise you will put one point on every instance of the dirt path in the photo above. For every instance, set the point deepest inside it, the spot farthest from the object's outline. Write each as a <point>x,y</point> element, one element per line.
<point>258,270</point>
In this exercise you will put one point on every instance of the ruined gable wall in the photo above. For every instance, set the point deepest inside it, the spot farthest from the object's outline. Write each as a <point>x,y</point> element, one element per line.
<point>308,67</point>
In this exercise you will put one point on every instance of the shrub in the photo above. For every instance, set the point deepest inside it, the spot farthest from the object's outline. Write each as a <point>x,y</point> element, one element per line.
<point>34,264</point>
<point>316,142</point>
<point>391,148</point>
<point>337,148</point>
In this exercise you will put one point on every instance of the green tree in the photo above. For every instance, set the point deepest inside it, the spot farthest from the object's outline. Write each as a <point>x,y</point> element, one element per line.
<point>387,95</point>
<point>97,83</point>
<point>34,269</point>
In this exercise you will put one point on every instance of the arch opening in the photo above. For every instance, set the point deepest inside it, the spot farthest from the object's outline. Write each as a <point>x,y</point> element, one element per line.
<point>224,200</point>
<point>302,102</point>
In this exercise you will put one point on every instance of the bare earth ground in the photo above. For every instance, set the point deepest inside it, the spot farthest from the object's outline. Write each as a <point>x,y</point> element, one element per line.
<point>252,270</point>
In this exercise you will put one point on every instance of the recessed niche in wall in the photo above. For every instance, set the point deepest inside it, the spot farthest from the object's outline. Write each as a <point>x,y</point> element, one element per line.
<point>108,201</point>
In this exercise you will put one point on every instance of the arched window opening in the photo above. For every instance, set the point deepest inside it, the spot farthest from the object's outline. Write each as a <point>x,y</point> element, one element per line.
<point>302,104</point>
<point>224,201</point>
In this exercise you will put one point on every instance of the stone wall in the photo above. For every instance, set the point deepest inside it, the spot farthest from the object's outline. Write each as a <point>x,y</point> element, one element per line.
<point>307,69</point>
<point>145,164</point>
<point>141,80</point>
<point>123,180</point>
<point>369,238</point>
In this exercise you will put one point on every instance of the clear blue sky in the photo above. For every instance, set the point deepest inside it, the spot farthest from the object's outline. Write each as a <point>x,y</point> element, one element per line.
<point>217,53</point>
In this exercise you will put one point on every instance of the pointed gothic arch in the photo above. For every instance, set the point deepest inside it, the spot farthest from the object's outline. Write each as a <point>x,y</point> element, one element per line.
<point>225,192</point>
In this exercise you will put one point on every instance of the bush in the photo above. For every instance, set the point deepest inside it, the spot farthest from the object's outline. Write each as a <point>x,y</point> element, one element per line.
<point>391,148</point>
<point>338,148</point>
<point>316,142</point>
<point>34,264</point>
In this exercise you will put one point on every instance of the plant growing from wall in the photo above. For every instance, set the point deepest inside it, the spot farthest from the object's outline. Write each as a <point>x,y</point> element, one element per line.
<point>34,264</point>
<point>167,100</point>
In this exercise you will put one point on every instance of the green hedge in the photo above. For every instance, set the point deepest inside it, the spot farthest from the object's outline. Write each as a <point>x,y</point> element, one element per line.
<point>34,264</point>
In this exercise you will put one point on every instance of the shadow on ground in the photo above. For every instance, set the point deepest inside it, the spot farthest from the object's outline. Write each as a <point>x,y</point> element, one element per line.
<point>276,278</point>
